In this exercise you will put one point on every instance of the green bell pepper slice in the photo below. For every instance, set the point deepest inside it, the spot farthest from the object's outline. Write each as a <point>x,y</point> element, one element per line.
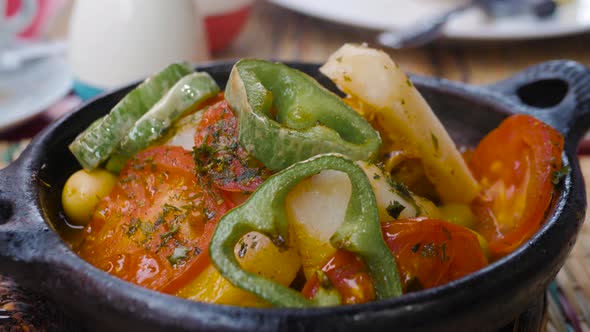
<point>96,144</point>
<point>264,212</point>
<point>285,116</point>
<point>191,90</point>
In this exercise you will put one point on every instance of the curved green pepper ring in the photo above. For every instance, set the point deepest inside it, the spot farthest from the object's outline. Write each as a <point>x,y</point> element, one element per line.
<point>285,116</point>
<point>264,212</point>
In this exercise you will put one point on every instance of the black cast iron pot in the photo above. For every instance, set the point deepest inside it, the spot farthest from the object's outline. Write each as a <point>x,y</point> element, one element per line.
<point>32,252</point>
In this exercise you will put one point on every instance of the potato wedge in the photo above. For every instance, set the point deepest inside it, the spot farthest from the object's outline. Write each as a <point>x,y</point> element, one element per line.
<point>373,77</point>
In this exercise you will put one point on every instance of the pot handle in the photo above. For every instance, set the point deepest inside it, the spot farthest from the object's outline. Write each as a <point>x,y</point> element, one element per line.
<point>556,92</point>
<point>23,242</point>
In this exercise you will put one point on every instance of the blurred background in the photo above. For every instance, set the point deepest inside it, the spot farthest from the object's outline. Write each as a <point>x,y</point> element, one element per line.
<point>54,54</point>
<point>82,48</point>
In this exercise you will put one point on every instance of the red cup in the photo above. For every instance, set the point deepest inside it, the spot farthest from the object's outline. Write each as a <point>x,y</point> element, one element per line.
<point>224,20</point>
<point>46,10</point>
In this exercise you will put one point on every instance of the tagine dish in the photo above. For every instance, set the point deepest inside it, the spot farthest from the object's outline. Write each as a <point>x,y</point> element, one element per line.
<point>277,192</point>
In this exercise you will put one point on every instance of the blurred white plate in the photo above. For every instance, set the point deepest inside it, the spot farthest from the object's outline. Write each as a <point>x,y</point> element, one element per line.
<point>31,89</point>
<point>571,18</point>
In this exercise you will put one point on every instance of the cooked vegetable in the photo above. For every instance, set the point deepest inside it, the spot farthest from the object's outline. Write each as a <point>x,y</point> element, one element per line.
<point>393,193</point>
<point>219,155</point>
<point>429,253</point>
<point>515,164</point>
<point>183,132</point>
<point>386,94</point>
<point>345,273</point>
<point>95,144</point>
<point>154,226</point>
<point>432,252</point>
<point>459,214</point>
<point>82,191</point>
<point>256,254</point>
<point>316,209</point>
<point>264,212</point>
<point>286,116</point>
<point>188,92</point>
<point>279,193</point>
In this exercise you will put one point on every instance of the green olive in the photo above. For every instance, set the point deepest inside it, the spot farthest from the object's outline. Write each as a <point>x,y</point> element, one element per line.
<point>459,214</point>
<point>83,191</point>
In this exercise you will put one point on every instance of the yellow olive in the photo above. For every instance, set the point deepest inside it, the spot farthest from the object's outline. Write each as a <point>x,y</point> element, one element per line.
<point>257,254</point>
<point>83,191</point>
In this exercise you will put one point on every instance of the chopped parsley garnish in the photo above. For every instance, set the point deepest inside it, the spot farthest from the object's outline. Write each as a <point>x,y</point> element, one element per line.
<point>188,207</point>
<point>209,213</point>
<point>133,227</point>
<point>394,209</point>
<point>243,249</point>
<point>202,152</point>
<point>559,174</point>
<point>170,233</point>
<point>170,208</point>
<point>429,250</point>
<point>179,255</point>
<point>146,227</point>
<point>159,221</point>
<point>401,189</point>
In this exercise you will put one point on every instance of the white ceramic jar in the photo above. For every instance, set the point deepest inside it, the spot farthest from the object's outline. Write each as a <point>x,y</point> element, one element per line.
<point>113,42</point>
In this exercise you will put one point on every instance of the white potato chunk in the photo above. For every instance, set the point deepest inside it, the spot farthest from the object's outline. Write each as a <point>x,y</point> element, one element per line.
<point>373,77</point>
<point>386,196</point>
<point>317,205</point>
<point>316,208</point>
<point>183,132</point>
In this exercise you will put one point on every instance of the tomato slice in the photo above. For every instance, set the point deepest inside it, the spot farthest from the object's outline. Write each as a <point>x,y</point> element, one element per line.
<point>153,229</point>
<point>221,157</point>
<point>428,253</point>
<point>515,164</point>
<point>432,252</point>
<point>348,274</point>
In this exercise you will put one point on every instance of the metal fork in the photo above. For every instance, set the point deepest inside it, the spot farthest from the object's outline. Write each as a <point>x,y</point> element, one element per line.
<point>426,31</point>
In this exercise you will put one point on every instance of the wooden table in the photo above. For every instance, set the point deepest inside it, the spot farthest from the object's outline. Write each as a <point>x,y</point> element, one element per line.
<point>276,33</point>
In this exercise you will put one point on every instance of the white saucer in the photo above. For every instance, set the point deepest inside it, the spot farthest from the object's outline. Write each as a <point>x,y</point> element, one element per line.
<point>570,18</point>
<point>31,89</point>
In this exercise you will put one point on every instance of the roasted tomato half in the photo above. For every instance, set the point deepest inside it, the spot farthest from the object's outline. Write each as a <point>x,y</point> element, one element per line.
<point>154,228</point>
<point>517,165</point>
